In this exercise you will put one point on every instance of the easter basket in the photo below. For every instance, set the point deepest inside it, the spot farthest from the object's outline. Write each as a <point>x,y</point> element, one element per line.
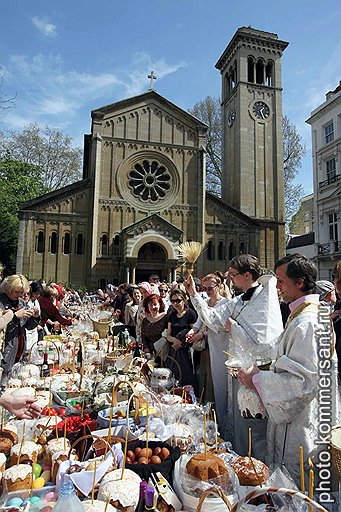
<point>254,494</point>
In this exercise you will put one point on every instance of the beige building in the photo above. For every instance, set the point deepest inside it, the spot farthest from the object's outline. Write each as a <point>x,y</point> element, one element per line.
<point>143,187</point>
<point>325,122</point>
<point>303,220</point>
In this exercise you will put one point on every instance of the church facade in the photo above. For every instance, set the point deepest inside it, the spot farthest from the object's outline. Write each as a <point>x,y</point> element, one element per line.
<point>143,187</point>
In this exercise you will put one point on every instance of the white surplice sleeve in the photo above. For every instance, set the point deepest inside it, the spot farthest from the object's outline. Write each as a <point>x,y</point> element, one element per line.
<point>214,318</point>
<point>294,382</point>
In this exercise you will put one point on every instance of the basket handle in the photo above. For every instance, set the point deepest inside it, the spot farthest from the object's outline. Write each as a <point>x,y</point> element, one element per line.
<point>117,385</point>
<point>277,490</point>
<point>46,342</point>
<point>92,436</point>
<point>177,364</point>
<point>214,490</point>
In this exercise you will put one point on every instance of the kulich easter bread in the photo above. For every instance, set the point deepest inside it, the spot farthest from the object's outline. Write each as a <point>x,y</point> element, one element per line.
<point>206,466</point>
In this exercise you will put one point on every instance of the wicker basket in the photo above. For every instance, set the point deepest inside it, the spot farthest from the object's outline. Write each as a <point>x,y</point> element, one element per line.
<point>335,445</point>
<point>256,493</point>
<point>101,327</point>
<point>109,447</point>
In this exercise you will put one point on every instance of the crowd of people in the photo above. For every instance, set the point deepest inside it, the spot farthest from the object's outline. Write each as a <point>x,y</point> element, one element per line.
<point>194,326</point>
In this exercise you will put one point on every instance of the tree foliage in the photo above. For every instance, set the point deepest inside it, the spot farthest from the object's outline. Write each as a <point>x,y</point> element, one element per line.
<point>293,152</point>
<point>47,148</point>
<point>19,182</point>
<point>6,102</point>
<point>209,111</point>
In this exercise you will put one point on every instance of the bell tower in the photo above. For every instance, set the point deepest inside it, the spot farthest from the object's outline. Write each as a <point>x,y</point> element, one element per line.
<point>252,160</point>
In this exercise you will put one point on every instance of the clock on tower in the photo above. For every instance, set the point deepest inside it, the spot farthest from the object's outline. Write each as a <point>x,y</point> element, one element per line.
<point>252,164</point>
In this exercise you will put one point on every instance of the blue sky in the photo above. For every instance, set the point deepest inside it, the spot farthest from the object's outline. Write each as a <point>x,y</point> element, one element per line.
<point>63,59</point>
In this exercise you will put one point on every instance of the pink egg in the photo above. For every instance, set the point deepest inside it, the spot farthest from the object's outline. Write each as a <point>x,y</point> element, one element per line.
<point>50,496</point>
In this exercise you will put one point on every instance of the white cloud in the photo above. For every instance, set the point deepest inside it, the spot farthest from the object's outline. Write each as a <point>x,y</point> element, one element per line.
<point>142,66</point>
<point>43,25</point>
<point>48,93</point>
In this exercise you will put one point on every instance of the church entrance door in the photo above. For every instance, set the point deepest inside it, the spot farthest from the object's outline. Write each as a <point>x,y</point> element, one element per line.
<point>152,259</point>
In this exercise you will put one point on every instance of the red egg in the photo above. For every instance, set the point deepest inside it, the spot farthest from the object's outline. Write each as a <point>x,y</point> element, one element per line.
<point>137,451</point>
<point>142,460</point>
<point>157,450</point>
<point>145,453</point>
<point>129,460</point>
<point>131,454</point>
<point>155,460</point>
<point>164,453</point>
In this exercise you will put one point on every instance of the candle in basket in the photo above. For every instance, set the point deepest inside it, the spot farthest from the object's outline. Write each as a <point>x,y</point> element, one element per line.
<point>302,469</point>
<point>125,453</point>
<point>205,443</point>
<point>93,484</point>
<point>311,483</point>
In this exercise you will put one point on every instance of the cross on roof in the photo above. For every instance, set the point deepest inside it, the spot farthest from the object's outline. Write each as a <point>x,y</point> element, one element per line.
<point>152,78</point>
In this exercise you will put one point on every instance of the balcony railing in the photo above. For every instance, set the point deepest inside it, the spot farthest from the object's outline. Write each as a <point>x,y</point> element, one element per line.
<point>329,248</point>
<point>323,249</point>
<point>331,179</point>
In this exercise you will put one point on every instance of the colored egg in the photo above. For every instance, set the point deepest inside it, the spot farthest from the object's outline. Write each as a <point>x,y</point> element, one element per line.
<point>34,499</point>
<point>46,475</point>
<point>51,504</point>
<point>14,502</point>
<point>50,496</point>
<point>36,468</point>
<point>38,483</point>
<point>49,484</point>
<point>46,468</point>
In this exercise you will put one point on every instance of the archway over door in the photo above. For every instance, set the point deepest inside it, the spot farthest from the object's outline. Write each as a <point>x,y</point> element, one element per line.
<point>152,259</point>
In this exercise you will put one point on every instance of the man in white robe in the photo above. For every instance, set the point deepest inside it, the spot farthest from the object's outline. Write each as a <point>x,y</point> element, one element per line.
<point>289,392</point>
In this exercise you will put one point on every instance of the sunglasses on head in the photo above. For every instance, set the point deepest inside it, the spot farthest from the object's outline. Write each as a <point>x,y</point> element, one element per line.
<point>176,301</point>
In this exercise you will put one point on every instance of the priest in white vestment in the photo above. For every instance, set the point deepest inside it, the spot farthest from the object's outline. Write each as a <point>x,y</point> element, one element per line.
<point>290,391</point>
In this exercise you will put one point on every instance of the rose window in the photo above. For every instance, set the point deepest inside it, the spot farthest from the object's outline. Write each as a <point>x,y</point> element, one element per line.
<point>149,181</point>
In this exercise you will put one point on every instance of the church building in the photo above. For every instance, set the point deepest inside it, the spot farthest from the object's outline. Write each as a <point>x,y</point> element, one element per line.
<point>143,187</point>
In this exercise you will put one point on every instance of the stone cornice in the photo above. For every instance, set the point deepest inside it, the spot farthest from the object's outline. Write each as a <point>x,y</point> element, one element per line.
<point>56,196</point>
<point>248,37</point>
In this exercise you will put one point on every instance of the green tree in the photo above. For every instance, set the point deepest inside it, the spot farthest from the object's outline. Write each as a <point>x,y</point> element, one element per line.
<point>47,148</point>
<point>209,111</point>
<point>293,152</point>
<point>19,182</point>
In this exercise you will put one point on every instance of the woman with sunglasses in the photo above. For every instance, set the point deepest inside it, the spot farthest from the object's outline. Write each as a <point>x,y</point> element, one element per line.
<point>180,320</point>
<point>213,374</point>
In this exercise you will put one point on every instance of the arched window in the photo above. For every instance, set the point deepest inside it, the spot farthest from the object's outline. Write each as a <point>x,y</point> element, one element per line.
<point>80,244</point>
<point>67,243</point>
<point>221,251</point>
<point>104,245</point>
<point>232,251</point>
<point>102,284</point>
<point>210,250</point>
<point>40,242</point>
<point>242,248</point>
<point>260,72</point>
<point>116,246</point>
<point>53,243</point>
<point>269,79</point>
<point>250,70</point>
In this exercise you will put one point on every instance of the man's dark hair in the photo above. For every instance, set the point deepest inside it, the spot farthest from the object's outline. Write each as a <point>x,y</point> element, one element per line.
<point>36,287</point>
<point>246,263</point>
<point>300,267</point>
